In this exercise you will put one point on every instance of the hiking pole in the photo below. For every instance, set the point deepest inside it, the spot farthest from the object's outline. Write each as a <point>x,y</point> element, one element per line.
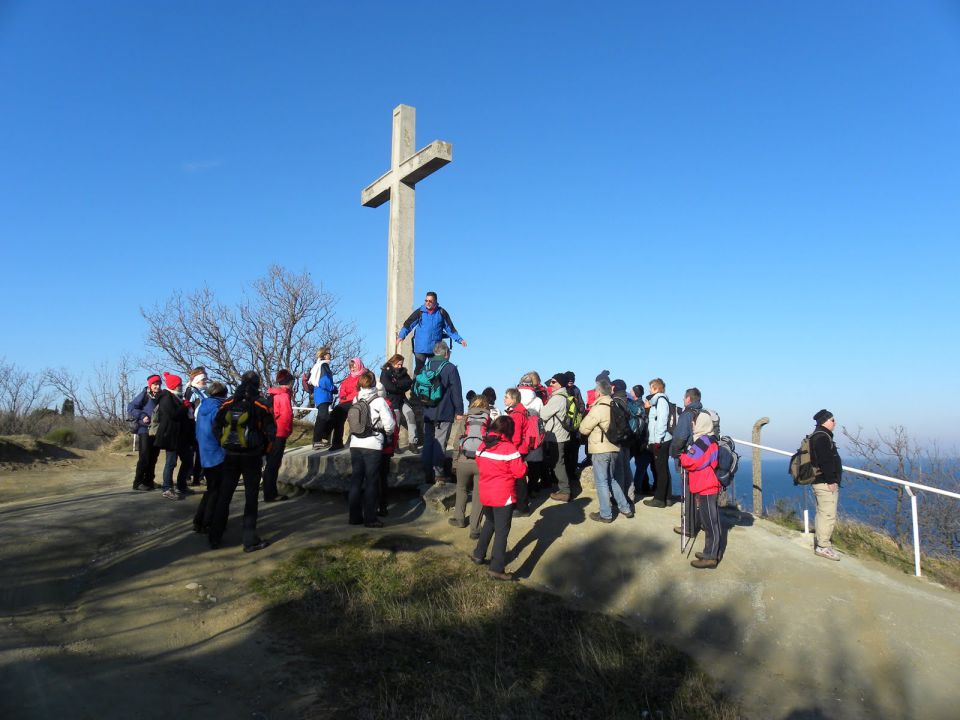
<point>806,512</point>
<point>684,540</point>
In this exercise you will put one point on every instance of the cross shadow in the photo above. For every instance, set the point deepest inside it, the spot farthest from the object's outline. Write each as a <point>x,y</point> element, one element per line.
<point>548,528</point>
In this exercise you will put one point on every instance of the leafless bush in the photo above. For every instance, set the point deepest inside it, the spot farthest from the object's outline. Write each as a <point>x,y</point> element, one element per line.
<point>898,455</point>
<point>280,324</point>
<point>24,400</point>
<point>101,400</point>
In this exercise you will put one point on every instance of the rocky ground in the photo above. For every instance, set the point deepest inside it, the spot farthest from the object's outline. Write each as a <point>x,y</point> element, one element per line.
<point>110,607</point>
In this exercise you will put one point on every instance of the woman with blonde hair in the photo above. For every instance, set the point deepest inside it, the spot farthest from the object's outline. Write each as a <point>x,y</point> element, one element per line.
<point>321,379</point>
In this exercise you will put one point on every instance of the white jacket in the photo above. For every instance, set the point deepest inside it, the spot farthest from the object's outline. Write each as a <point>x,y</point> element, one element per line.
<point>382,418</point>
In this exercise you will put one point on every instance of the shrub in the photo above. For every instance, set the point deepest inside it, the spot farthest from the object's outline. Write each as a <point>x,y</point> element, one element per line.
<point>62,437</point>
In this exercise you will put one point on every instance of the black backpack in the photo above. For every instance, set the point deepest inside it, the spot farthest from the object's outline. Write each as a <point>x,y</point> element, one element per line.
<point>618,431</point>
<point>728,460</point>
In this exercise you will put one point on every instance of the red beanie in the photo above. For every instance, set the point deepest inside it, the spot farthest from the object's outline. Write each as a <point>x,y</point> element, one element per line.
<point>153,379</point>
<point>173,381</point>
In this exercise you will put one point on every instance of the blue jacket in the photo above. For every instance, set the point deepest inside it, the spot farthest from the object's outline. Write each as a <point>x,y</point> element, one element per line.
<point>211,454</point>
<point>657,418</point>
<point>325,389</point>
<point>141,405</point>
<point>683,433</point>
<point>451,402</point>
<point>428,329</point>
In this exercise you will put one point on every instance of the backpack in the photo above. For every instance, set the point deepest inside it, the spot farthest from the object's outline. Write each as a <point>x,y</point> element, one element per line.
<point>305,383</point>
<point>236,428</point>
<point>426,385</point>
<point>570,420</point>
<point>473,433</point>
<point>673,412</point>
<point>534,431</point>
<point>728,460</point>
<point>618,432</point>
<point>638,419</point>
<point>133,418</point>
<point>802,469</point>
<point>360,419</point>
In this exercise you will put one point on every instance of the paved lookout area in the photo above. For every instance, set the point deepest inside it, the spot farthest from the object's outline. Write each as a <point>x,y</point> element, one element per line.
<point>100,616</point>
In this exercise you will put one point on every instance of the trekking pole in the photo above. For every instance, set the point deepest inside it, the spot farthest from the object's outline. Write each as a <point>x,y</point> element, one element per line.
<point>806,512</point>
<point>684,505</point>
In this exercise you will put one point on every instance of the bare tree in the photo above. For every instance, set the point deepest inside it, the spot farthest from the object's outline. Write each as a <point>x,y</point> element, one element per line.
<point>101,400</point>
<point>23,397</point>
<point>279,324</point>
<point>898,455</point>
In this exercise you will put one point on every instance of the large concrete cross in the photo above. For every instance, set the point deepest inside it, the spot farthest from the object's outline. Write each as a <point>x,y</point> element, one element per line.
<point>407,168</point>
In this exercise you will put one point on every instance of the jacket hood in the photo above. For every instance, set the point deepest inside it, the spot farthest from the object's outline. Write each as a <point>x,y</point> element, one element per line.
<point>209,406</point>
<point>367,394</point>
<point>282,390</point>
<point>703,425</point>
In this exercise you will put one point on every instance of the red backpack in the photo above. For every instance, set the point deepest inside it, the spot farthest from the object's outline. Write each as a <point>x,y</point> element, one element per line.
<point>533,431</point>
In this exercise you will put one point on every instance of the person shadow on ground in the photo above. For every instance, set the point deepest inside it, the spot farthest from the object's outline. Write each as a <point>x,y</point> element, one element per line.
<point>548,528</point>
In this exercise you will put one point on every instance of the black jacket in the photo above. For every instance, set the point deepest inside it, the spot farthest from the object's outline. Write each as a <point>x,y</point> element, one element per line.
<point>395,383</point>
<point>171,418</point>
<point>824,456</point>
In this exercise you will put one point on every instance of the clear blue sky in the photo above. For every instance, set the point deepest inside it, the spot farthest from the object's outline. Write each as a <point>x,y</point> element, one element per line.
<point>760,199</point>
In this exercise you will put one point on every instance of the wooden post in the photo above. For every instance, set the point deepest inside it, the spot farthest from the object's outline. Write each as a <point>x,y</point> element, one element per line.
<point>757,472</point>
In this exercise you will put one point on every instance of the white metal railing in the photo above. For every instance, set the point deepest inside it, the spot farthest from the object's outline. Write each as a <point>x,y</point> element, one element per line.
<point>906,483</point>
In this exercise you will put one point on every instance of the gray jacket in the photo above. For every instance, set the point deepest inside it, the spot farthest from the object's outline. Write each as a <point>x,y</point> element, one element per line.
<point>552,413</point>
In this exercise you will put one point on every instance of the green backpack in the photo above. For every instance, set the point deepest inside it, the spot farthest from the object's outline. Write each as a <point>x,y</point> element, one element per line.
<point>802,469</point>
<point>426,385</point>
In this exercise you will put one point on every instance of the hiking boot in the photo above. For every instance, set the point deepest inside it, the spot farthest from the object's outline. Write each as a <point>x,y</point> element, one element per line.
<point>500,575</point>
<point>260,545</point>
<point>704,563</point>
<point>560,497</point>
<point>653,502</point>
<point>628,514</point>
<point>278,498</point>
<point>600,518</point>
<point>521,511</point>
<point>827,552</point>
<point>140,487</point>
<point>457,523</point>
<point>679,531</point>
<point>475,560</point>
<point>170,495</point>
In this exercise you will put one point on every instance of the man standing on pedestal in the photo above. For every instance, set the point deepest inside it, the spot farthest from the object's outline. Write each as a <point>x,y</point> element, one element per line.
<point>429,324</point>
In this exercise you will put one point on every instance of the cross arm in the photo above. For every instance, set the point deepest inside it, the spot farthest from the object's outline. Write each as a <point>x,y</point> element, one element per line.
<point>378,192</point>
<point>433,157</point>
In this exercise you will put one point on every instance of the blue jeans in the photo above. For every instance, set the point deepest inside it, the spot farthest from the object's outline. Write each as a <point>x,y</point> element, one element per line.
<point>604,466</point>
<point>186,468</point>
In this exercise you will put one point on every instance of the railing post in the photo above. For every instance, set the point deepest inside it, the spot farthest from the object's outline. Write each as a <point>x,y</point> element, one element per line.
<point>916,530</point>
<point>757,473</point>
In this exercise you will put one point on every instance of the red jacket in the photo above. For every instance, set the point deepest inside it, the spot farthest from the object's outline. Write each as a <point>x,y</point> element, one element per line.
<point>500,467</point>
<point>518,413</point>
<point>591,398</point>
<point>282,410</point>
<point>700,462</point>
<point>348,388</point>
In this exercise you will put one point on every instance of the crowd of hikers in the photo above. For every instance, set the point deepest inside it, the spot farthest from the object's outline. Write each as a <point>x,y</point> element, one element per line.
<point>540,441</point>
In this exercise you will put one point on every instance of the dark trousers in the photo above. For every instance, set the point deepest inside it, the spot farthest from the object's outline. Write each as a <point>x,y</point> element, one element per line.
<point>571,453</point>
<point>235,466</point>
<point>710,521</point>
<point>621,471</point>
<point>338,416</point>
<point>535,476</point>
<point>554,467</point>
<point>208,502</point>
<point>271,468</point>
<point>321,427</point>
<point>641,478</point>
<point>662,489</point>
<point>420,359</point>
<point>197,466</point>
<point>384,474</point>
<point>363,497</point>
<point>147,455</point>
<point>185,456</point>
<point>496,525</point>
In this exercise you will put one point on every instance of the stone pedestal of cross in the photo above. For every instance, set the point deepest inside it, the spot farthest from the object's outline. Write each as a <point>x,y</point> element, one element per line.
<point>407,168</point>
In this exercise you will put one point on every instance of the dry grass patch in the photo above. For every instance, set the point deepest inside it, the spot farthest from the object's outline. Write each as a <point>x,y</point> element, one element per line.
<point>403,631</point>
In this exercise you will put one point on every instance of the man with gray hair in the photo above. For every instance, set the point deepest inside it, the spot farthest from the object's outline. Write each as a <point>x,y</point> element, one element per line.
<point>439,417</point>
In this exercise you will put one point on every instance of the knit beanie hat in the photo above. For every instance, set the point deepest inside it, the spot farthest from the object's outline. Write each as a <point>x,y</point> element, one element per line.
<point>620,386</point>
<point>561,378</point>
<point>284,377</point>
<point>172,381</point>
<point>153,379</point>
<point>821,417</point>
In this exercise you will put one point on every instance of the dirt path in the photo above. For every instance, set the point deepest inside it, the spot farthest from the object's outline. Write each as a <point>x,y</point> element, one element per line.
<point>97,621</point>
